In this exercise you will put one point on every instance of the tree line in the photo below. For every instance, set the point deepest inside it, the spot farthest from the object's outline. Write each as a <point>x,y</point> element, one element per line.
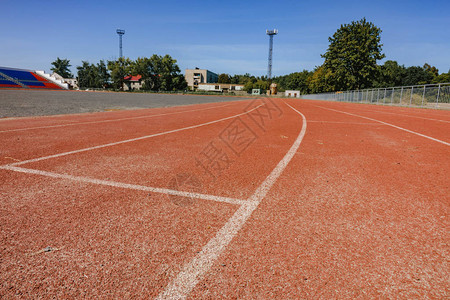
<point>159,73</point>
<point>350,63</point>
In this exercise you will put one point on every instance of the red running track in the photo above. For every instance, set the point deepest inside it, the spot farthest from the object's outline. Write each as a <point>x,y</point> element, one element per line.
<point>246,199</point>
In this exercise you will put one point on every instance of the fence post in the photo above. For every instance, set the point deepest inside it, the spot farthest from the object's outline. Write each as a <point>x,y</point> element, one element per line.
<point>384,98</point>
<point>378,95</point>
<point>410,98</point>
<point>401,96</point>
<point>392,96</point>
<point>423,95</point>
<point>437,98</point>
<point>371,98</point>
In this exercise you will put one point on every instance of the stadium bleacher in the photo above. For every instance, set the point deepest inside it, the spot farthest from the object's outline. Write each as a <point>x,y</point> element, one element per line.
<point>18,78</point>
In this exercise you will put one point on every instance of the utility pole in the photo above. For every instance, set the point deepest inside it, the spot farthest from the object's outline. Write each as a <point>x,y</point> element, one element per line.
<point>120,32</point>
<point>270,33</point>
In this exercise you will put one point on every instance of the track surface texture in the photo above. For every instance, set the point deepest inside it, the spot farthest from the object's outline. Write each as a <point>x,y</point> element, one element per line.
<point>20,103</point>
<point>248,199</point>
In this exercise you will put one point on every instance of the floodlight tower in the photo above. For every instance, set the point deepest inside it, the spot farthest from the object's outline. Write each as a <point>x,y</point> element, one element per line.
<point>120,32</point>
<point>270,33</point>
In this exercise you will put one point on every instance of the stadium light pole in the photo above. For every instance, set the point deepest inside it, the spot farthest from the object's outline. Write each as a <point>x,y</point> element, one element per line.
<point>270,33</point>
<point>120,32</point>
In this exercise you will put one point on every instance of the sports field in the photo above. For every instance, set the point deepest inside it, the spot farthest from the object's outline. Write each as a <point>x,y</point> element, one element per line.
<point>245,198</point>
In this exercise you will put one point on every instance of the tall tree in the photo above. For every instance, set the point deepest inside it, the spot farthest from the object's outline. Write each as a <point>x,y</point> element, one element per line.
<point>416,75</point>
<point>442,78</point>
<point>84,75</point>
<point>294,81</point>
<point>159,73</point>
<point>352,55</point>
<point>320,81</point>
<point>61,66</point>
<point>390,74</point>
<point>224,78</point>
<point>103,74</point>
<point>93,76</point>
<point>433,70</point>
<point>119,69</point>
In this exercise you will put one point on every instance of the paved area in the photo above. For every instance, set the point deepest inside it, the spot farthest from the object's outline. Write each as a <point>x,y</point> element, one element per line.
<point>20,103</point>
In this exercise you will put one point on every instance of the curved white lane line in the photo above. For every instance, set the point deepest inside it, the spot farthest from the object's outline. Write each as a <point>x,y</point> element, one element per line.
<point>112,120</point>
<point>192,272</point>
<point>129,140</point>
<point>389,124</point>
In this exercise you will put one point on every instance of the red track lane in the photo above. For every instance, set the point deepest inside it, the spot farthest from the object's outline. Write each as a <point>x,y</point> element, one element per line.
<point>108,242</point>
<point>28,144</point>
<point>361,210</point>
<point>433,128</point>
<point>151,162</point>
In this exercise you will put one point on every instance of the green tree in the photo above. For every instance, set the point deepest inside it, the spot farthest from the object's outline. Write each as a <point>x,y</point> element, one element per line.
<point>168,72</point>
<point>431,69</point>
<point>84,75</point>
<point>103,77</point>
<point>352,55</point>
<point>294,81</point>
<point>390,74</point>
<point>416,75</point>
<point>248,85</point>
<point>241,79</point>
<point>61,66</point>
<point>224,78</point>
<point>442,78</point>
<point>320,82</point>
<point>93,76</point>
<point>119,69</point>
<point>159,73</point>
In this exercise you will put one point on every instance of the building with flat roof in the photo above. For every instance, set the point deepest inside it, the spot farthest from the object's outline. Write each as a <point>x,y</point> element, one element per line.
<point>220,87</point>
<point>196,76</point>
<point>292,93</point>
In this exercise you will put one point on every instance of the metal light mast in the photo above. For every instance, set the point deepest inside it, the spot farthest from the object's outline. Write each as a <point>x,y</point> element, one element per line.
<point>270,33</point>
<point>120,32</point>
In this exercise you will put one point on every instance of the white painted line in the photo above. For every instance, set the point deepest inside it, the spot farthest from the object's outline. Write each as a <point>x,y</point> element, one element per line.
<point>126,185</point>
<point>346,123</point>
<point>398,127</point>
<point>129,140</point>
<point>113,120</point>
<point>404,115</point>
<point>192,272</point>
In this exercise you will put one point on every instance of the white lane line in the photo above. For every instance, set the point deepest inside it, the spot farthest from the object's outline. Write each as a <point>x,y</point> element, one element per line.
<point>192,272</point>
<point>389,124</point>
<point>404,115</point>
<point>130,140</point>
<point>346,123</point>
<point>112,120</point>
<point>126,185</point>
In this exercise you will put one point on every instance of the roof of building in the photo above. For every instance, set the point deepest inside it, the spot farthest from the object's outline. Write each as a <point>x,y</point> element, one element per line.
<point>222,84</point>
<point>132,78</point>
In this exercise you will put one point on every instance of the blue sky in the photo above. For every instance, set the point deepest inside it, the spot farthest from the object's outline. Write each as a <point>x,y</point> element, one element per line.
<point>222,36</point>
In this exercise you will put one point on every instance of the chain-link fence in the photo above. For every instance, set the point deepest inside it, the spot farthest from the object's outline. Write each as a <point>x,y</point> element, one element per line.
<point>429,95</point>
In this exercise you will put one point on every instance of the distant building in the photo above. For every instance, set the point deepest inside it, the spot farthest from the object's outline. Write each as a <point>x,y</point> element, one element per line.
<point>196,76</point>
<point>132,82</point>
<point>256,92</point>
<point>291,93</point>
<point>220,87</point>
